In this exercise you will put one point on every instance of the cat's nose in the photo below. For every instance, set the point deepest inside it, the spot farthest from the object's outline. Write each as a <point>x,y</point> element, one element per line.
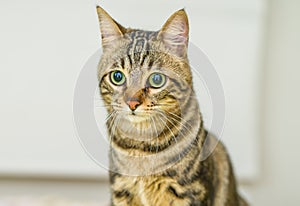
<point>133,104</point>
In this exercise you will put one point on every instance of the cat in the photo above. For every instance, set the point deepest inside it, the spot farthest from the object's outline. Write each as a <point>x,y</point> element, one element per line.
<point>155,127</point>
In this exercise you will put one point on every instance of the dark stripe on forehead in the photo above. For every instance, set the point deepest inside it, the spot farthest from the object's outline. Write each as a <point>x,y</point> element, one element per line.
<point>154,62</point>
<point>150,64</point>
<point>140,45</point>
<point>122,63</point>
<point>144,55</point>
<point>116,65</point>
<point>129,60</point>
<point>138,48</point>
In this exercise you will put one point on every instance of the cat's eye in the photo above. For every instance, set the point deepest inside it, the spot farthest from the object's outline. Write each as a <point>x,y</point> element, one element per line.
<point>117,78</point>
<point>157,80</point>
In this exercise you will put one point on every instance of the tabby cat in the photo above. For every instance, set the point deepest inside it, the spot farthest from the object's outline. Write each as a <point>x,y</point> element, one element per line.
<point>155,127</point>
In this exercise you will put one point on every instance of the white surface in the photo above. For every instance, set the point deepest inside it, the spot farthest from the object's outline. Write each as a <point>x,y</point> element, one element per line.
<point>279,182</point>
<point>44,46</point>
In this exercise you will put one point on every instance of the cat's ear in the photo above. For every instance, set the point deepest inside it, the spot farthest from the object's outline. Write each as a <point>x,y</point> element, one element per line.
<point>110,29</point>
<point>175,33</point>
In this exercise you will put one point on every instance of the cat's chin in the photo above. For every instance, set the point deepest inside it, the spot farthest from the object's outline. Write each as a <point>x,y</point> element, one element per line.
<point>140,126</point>
<point>137,117</point>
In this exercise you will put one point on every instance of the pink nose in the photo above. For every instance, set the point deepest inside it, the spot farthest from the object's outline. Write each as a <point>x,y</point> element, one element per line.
<point>133,104</point>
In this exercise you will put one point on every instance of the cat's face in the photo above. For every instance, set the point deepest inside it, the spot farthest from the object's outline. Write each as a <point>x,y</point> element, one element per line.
<point>144,76</point>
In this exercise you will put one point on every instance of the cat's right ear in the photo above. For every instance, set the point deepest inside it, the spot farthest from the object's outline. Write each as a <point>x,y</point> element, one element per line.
<point>175,33</point>
<point>110,29</point>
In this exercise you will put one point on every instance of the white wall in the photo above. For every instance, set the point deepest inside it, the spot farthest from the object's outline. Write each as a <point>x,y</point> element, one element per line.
<point>279,182</point>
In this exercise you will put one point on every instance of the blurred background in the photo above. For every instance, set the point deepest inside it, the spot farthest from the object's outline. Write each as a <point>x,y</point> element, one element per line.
<point>254,45</point>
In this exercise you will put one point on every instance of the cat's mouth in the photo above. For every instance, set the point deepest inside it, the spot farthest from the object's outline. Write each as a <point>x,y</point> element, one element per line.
<point>137,116</point>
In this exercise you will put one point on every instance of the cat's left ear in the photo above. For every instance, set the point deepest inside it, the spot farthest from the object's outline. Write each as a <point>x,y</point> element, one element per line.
<point>110,29</point>
<point>175,33</point>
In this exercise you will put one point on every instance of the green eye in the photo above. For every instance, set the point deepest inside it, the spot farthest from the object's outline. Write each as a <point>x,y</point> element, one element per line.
<point>157,80</point>
<point>117,78</point>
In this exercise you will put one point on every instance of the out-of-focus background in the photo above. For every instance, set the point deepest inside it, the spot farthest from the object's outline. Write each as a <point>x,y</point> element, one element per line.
<point>254,45</point>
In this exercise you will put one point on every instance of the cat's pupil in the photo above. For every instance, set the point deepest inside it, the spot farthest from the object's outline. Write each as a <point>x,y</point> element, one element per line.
<point>157,79</point>
<point>118,76</point>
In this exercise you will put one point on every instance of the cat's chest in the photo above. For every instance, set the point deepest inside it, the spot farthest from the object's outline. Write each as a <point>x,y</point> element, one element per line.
<point>149,191</point>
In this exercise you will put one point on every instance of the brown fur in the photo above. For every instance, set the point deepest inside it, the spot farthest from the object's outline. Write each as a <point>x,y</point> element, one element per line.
<point>156,150</point>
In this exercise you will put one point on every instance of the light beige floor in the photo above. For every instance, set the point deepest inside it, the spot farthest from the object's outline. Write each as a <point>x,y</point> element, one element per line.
<point>30,192</point>
<point>59,192</point>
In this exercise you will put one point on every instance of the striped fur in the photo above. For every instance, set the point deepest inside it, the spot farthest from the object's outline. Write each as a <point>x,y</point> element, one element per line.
<point>155,150</point>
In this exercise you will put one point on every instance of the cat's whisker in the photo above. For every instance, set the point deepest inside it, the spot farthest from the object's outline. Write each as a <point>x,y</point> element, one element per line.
<point>110,115</point>
<point>108,105</point>
<point>161,125</point>
<point>163,104</point>
<point>117,120</point>
<point>152,134</point>
<point>179,130</point>
<point>112,124</point>
<point>156,134</point>
<point>166,118</point>
<point>180,119</point>
<point>181,124</point>
<point>173,136</point>
<point>98,99</point>
<point>112,127</point>
<point>184,126</point>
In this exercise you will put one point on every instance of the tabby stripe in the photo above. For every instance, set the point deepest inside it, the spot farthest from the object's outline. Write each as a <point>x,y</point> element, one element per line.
<point>129,61</point>
<point>113,176</point>
<point>179,85</point>
<point>192,165</point>
<point>104,93</point>
<point>175,193</point>
<point>185,151</point>
<point>123,193</point>
<point>145,52</point>
<point>122,63</point>
<point>150,64</point>
<point>190,105</point>
<point>127,143</point>
<point>144,56</point>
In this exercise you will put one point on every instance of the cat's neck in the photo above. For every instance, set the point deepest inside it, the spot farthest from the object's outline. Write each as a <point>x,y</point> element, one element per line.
<point>127,163</point>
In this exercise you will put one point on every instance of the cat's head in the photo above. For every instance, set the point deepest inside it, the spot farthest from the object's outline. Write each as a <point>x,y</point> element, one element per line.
<point>145,78</point>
